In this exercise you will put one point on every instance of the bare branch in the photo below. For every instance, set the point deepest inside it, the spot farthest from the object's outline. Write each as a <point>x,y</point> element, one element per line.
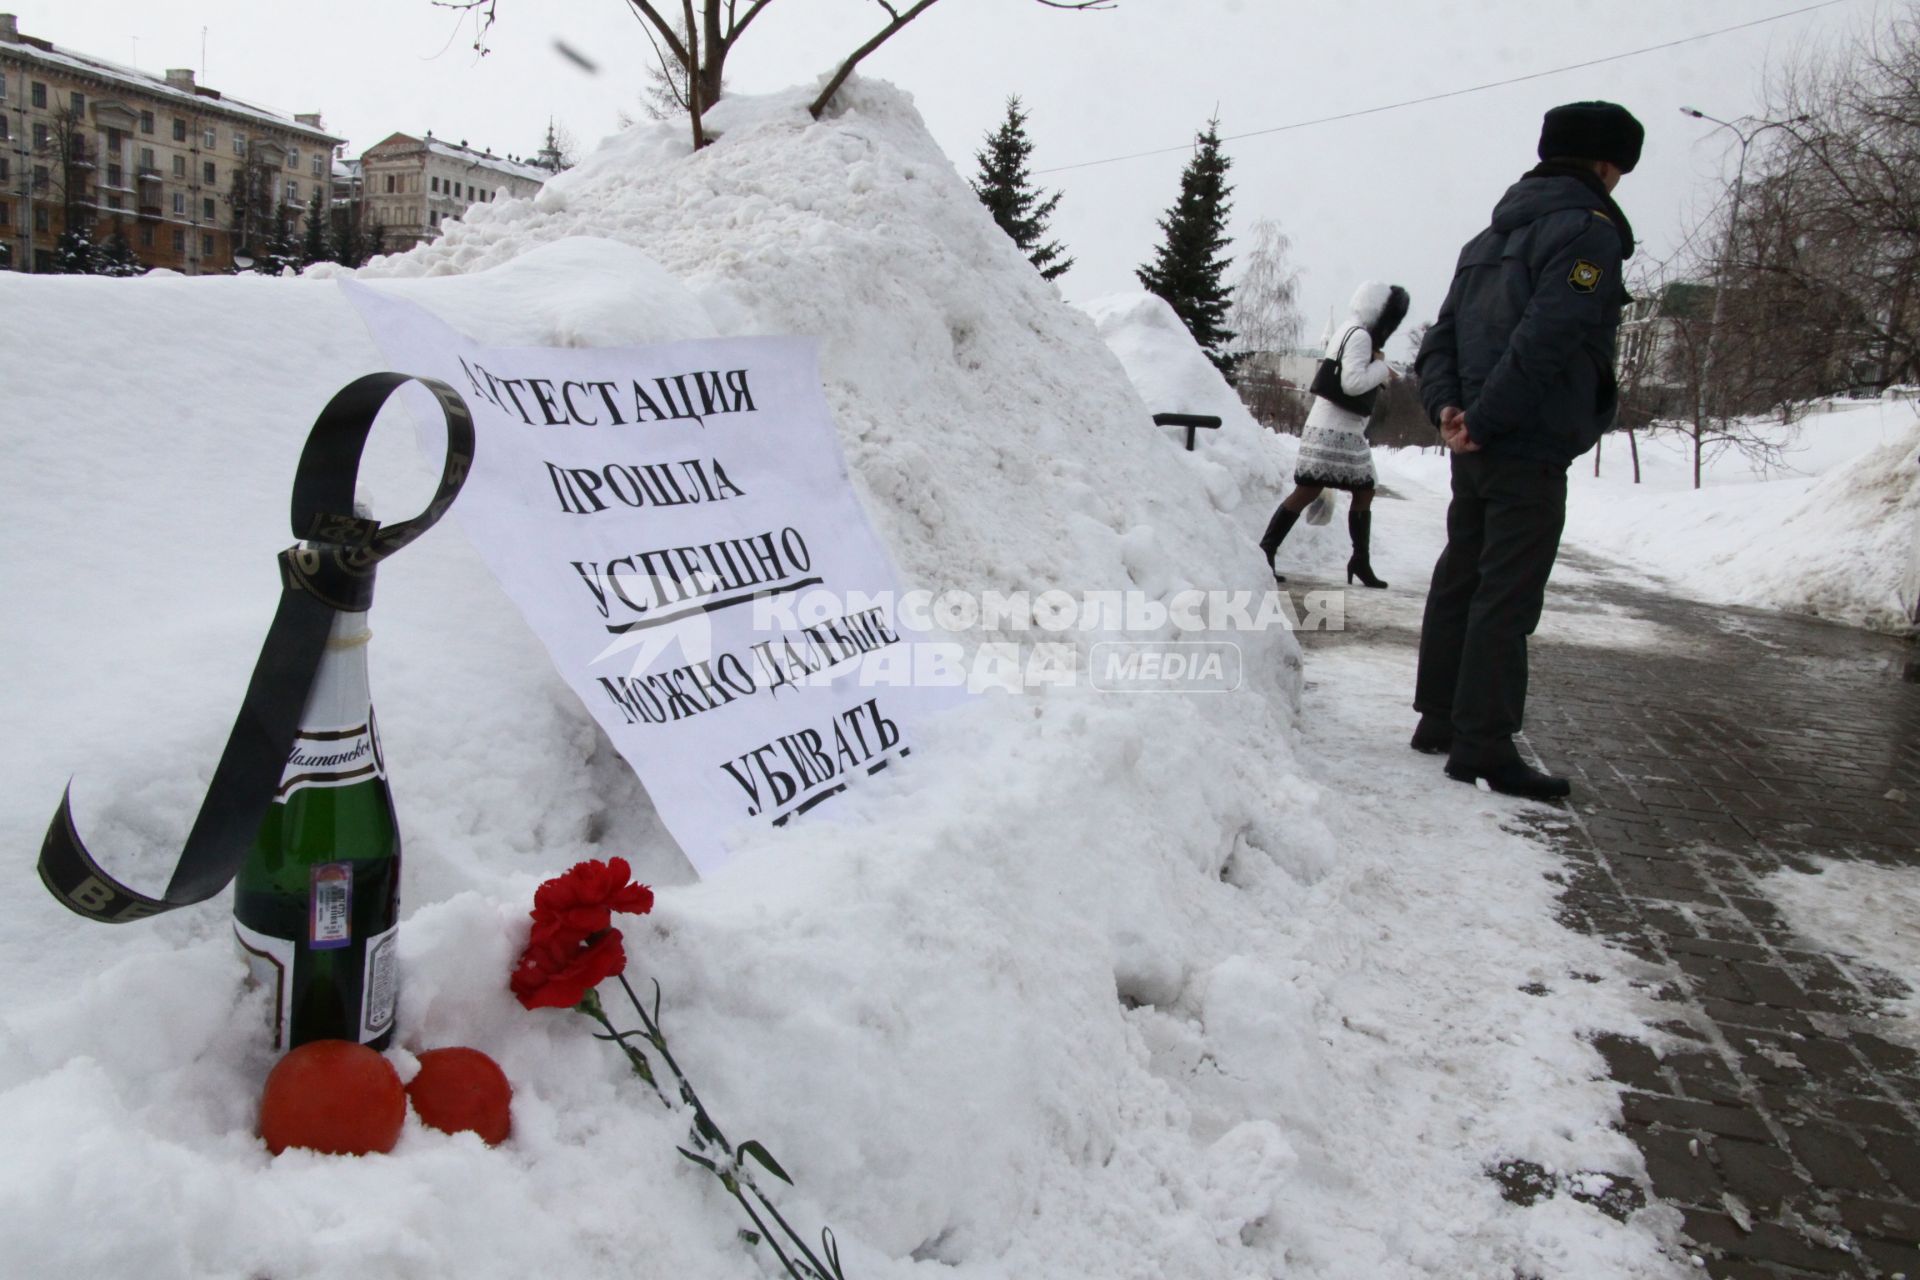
<point>853,60</point>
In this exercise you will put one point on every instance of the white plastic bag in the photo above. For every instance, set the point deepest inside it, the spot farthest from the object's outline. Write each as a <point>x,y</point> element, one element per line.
<point>1320,511</point>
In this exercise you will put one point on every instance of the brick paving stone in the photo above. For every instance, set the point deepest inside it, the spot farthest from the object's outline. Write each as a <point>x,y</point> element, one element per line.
<point>1763,742</point>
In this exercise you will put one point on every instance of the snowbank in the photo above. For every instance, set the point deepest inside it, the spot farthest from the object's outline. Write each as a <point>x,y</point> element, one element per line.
<point>1834,533</point>
<point>1094,988</point>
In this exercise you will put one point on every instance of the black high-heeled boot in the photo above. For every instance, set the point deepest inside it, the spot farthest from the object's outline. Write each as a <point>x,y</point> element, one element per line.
<point>1275,535</point>
<point>1360,529</point>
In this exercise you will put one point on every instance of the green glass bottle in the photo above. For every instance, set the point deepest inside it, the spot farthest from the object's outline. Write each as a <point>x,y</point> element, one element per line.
<point>316,907</point>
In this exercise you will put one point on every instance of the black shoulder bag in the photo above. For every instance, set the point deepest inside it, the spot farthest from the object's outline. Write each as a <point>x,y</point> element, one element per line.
<point>1326,383</point>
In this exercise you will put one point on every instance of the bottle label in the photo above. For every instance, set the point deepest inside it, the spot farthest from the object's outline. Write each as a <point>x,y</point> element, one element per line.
<point>331,758</point>
<point>330,906</point>
<point>270,963</point>
<point>380,985</point>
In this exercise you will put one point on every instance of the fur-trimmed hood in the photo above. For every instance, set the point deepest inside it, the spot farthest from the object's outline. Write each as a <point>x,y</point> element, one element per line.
<point>1379,308</point>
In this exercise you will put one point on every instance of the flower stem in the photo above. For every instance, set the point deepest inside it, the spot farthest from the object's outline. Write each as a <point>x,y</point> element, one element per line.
<point>733,1173</point>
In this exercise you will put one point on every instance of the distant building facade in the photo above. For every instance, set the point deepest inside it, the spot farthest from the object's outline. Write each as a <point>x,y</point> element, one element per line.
<point>412,186</point>
<point>184,174</point>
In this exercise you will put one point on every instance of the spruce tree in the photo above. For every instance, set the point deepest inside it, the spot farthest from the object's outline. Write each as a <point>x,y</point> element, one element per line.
<point>115,256</point>
<point>1007,189</point>
<point>349,246</point>
<point>317,246</point>
<point>74,253</point>
<point>1189,268</point>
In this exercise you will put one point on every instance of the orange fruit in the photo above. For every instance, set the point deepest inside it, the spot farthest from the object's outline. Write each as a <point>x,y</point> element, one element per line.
<point>463,1090</point>
<point>333,1096</point>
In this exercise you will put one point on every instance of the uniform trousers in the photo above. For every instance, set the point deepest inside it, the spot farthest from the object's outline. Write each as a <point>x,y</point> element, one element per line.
<point>1503,532</point>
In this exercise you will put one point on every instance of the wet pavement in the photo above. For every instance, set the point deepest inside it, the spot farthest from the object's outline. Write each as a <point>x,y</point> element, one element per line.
<point>1710,747</point>
<point>1781,1124</point>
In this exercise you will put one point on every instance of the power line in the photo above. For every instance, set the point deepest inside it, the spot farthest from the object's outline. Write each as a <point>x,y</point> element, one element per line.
<point>1456,93</point>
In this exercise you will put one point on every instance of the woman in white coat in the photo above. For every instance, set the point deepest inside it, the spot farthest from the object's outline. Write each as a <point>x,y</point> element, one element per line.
<point>1333,446</point>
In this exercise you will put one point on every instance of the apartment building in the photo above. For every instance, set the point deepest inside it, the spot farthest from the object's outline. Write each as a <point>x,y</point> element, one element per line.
<point>411,185</point>
<point>186,174</point>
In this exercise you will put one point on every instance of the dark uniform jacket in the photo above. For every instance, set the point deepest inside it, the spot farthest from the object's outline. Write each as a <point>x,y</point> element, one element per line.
<point>1525,339</point>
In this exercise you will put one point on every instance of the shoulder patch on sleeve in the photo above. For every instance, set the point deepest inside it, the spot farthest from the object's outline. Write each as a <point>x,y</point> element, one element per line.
<point>1603,217</point>
<point>1584,277</point>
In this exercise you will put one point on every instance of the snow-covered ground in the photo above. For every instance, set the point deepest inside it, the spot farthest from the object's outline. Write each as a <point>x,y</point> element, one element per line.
<point>1101,985</point>
<point>1833,531</point>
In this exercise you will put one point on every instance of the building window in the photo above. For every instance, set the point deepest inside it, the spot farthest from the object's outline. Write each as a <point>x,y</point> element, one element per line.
<point>293,157</point>
<point>146,235</point>
<point>40,177</point>
<point>146,122</point>
<point>434,183</point>
<point>433,219</point>
<point>39,95</point>
<point>209,139</point>
<point>147,163</point>
<point>389,184</point>
<point>240,144</point>
<point>180,204</point>
<point>41,140</point>
<point>116,176</point>
<point>113,202</point>
<point>40,220</point>
<point>206,245</point>
<point>206,208</point>
<point>6,214</point>
<point>5,128</point>
<point>6,170</point>
<point>208,174</point>
<point>3,86</point>
<point>317,170</point>
<point>180,167</point>
<point>179,129</point>
<point>179,241</point>
<point>293,192</point>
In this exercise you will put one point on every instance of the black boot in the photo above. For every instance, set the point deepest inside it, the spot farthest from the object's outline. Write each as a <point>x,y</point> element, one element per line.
<point>1432,736</point>
<point>1360,529</point>
<point>1513,778</point>
<point>1276,534</point>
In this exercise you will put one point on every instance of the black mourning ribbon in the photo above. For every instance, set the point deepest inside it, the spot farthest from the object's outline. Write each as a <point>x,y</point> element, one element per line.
<point>330,571</point>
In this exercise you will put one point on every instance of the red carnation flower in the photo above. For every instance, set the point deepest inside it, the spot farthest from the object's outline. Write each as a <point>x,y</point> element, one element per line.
<point>581,902</point>
<point>559,974</point>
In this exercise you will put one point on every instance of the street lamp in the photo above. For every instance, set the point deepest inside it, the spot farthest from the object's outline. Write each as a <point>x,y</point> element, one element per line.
<point>1746,137</point>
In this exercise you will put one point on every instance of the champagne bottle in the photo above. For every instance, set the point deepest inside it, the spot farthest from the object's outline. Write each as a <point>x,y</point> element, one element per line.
<point>316,906</point>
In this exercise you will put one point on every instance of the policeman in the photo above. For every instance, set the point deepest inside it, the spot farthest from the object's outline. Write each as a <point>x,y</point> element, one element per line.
<point>1517,373</point>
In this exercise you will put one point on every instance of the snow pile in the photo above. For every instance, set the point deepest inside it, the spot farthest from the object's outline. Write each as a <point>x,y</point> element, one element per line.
<point>1838,544</point>
<point>1834,532</point>
<point>1239,461</point>
<point>1100,985</point>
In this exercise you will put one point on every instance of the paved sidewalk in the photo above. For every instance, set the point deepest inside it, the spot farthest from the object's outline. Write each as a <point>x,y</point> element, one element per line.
<point>1785,1129</point>
<point>1710,747</point>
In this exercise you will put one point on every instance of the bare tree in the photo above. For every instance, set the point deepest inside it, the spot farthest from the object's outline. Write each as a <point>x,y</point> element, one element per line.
<point>1825,250</point>
<point>74,162</point>
<point>1265,315</point>
<point>699,37</point>
<point>1667,355</point>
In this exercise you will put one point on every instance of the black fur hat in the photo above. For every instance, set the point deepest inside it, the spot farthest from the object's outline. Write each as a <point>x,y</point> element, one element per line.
<point>1592,131</point>
<point>1390,316</point>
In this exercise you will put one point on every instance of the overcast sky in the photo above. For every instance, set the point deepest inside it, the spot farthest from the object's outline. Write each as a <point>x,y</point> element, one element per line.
<point>1389,195</point>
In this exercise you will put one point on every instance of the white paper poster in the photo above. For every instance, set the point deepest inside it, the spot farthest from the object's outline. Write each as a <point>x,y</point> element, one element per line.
<point>677,525</point>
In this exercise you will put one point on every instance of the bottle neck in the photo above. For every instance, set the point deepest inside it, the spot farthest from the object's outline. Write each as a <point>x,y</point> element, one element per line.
<point>339,698</point>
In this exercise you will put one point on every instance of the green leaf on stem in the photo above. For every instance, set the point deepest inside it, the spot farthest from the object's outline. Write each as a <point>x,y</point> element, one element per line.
<point>758,1152</point>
